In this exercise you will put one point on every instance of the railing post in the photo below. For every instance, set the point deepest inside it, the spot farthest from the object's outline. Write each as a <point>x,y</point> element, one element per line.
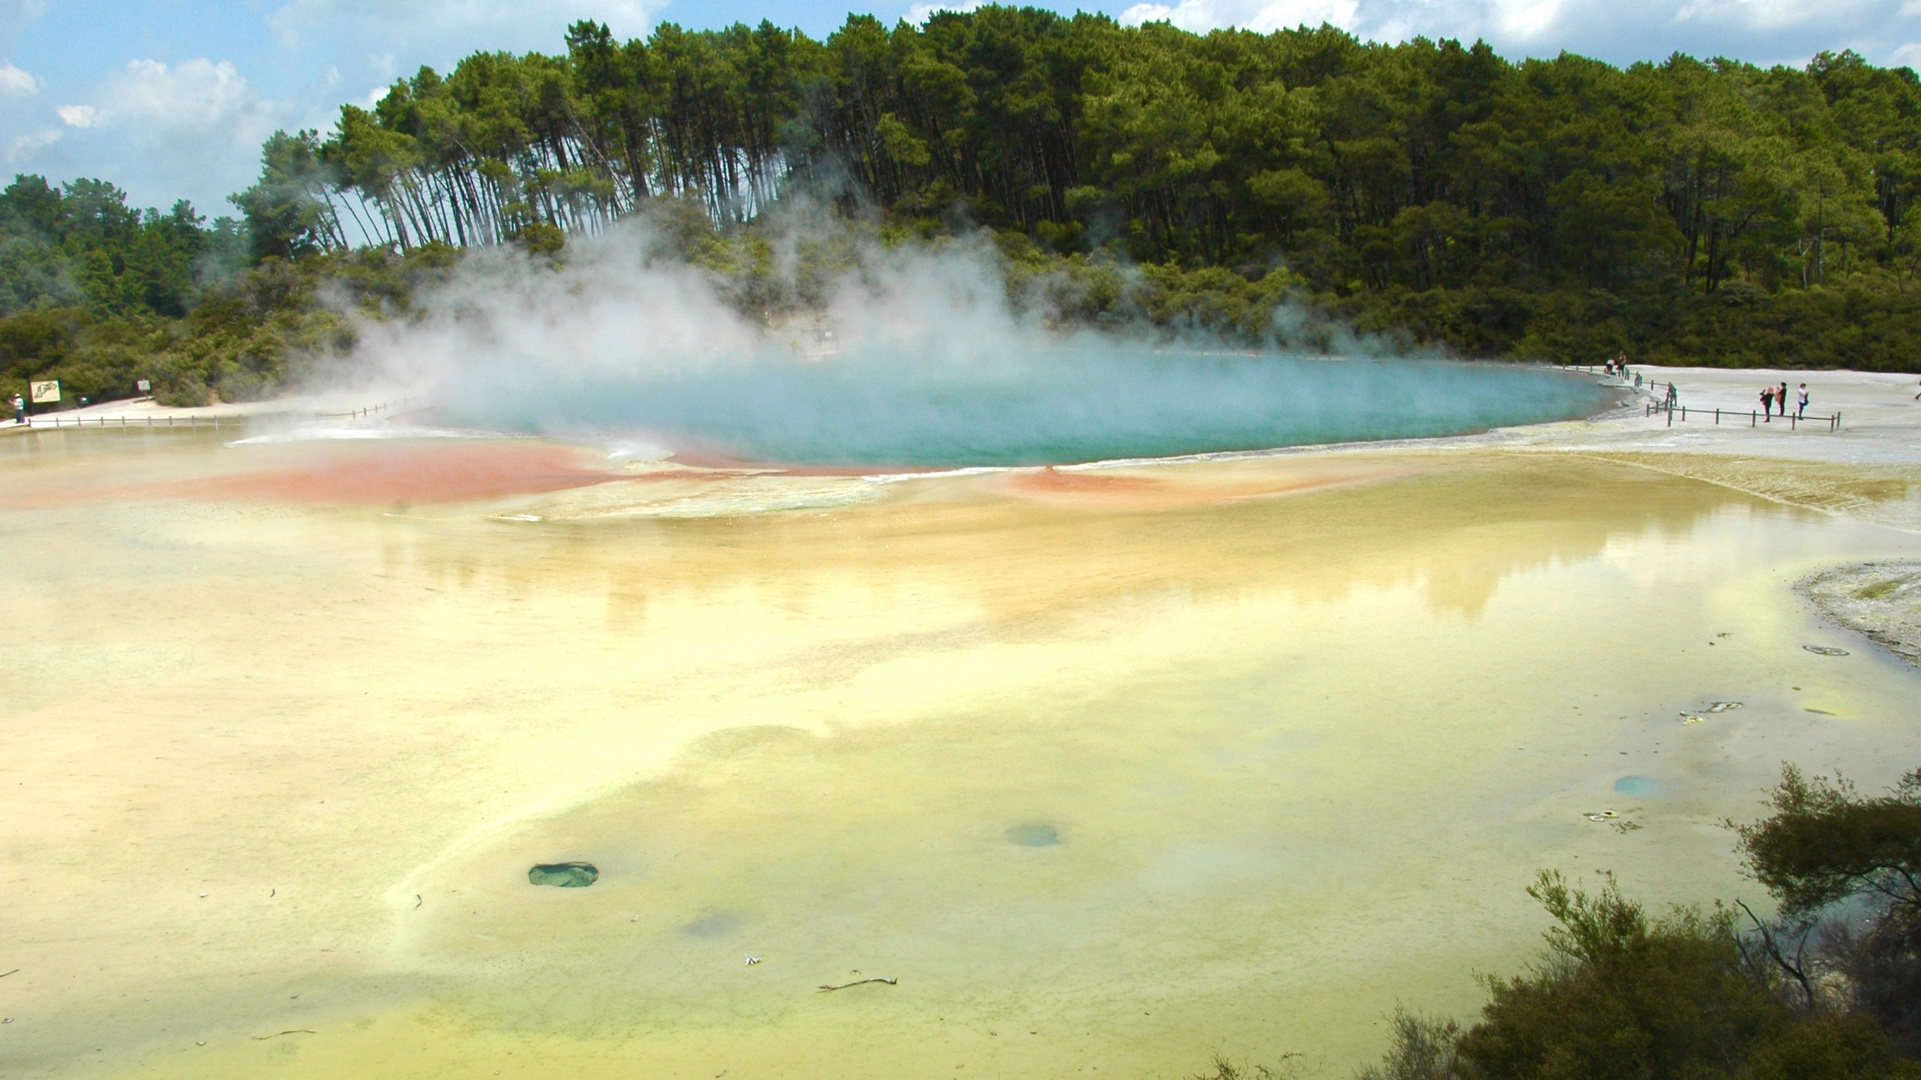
<point>1717,414</point>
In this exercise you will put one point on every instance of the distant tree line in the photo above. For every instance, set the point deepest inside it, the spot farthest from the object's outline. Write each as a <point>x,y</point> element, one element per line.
<point>1715,212</point>
<point>84,245</point>
<point>99,295</point>
<point>1687,211</point>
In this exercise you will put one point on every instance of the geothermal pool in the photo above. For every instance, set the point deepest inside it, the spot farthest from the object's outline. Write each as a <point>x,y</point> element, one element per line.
<point>1078,399</point>
<point>1110,769</point>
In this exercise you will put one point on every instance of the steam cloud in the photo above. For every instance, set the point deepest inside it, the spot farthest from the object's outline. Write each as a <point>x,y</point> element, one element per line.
<point>918,360</point>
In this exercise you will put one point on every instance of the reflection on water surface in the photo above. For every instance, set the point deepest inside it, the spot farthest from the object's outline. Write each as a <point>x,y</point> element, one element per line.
<point>1106,775</point>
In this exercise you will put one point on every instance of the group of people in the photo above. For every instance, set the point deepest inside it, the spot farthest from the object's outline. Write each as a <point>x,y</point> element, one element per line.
<point>1617,367</point>
<point>1773,397</point>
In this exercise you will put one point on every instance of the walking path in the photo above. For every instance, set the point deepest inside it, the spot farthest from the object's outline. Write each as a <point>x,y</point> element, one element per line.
<point>145,412</point>
<point>1880,419</point>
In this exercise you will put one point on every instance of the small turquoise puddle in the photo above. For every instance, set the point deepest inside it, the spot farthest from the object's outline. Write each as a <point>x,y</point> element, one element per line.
<point>1034,835</point>
<point>1638,785</point>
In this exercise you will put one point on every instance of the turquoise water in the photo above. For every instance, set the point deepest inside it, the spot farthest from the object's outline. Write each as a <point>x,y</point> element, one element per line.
<point>1034,835</point>
<point>1079,401</point>
<point>1637,785</point>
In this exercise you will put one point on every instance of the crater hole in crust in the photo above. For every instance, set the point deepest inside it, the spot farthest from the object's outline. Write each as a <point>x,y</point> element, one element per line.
<point>564,875</point>
<point>713,924</point>
<point>1034,834</point>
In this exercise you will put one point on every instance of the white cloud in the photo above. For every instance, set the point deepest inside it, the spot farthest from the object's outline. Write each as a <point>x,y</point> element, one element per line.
<point>488,24</point>
<point>1204,15</point>
<point>1527,20</point>
<point>1771,14</point>
<point>15,81</point>
<point>1291,13</point>
<point>1621,31</point>
<point>189,98</point>
<point>166,131</point>
<point>920,13</point>
<point>26,147</point>
<point>15,16</point>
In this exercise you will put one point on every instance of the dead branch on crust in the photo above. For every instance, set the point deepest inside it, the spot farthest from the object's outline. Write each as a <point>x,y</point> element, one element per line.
<point>889,980</point>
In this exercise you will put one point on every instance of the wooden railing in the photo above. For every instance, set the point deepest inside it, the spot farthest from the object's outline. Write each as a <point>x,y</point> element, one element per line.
<point>189,421</point>
<point>1659,405</point>
<point>1755,418</point>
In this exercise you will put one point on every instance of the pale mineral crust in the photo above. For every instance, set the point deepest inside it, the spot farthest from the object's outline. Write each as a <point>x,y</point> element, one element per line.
<point>1879,599</point>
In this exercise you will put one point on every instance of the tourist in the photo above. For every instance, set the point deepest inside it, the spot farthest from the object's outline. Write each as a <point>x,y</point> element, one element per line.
<point>1767,404</point>
<point>1781,397</point>
<point>19,409</point>
<point>1801,402</point>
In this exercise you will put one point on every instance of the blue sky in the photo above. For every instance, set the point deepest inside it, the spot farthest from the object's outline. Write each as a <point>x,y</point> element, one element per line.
<point>171,98</point>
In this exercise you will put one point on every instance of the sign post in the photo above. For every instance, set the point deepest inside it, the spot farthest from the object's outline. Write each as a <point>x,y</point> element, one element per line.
<point>45,393</point>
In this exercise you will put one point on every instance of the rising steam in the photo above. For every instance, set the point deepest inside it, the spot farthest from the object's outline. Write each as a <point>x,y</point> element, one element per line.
<point>917,358</point>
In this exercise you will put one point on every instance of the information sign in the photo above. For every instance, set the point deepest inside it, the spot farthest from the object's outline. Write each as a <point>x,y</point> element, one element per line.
<point>46,393</point>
